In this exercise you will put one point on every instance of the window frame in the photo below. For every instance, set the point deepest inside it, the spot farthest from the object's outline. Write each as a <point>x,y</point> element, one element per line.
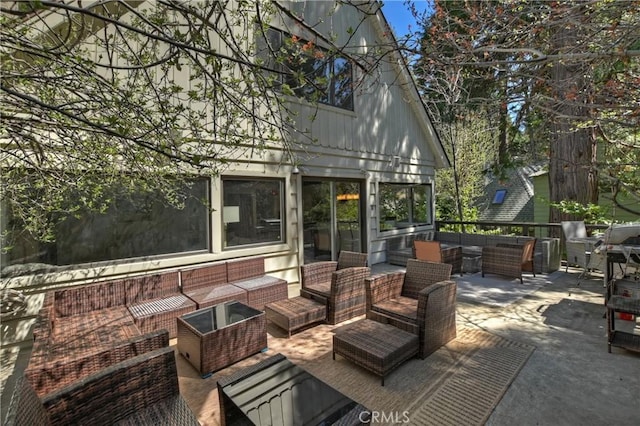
<point>285,72</point>
<point>499,197</point>
<point>267,221</point>
<point>121,211</point>
<point>412,221</point>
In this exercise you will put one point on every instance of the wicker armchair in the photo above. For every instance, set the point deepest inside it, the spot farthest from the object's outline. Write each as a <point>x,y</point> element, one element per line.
<point>338,285</point>
<point>139,391</point>
<point>509,259</point>
<point>433,251</point>
<point>421,300</point>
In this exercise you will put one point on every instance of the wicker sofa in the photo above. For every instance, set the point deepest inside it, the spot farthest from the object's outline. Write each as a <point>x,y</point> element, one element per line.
<point>80,330</point>
<point>421,300</point>
<point>142,390</point>
<point>151,302</point>
<point>207,285</point>
<point>83,329</point>
<point>249,275</point>
<point>243,280</point>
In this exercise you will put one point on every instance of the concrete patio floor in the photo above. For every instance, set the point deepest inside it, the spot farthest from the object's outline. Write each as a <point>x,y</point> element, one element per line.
<point>570,379</point>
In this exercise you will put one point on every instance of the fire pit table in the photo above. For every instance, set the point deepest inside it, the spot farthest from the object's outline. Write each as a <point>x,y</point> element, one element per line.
<point>215,337</point>
<point>275,391</point>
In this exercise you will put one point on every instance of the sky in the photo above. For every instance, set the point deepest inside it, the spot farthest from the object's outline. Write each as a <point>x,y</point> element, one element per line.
<point>399,15</point>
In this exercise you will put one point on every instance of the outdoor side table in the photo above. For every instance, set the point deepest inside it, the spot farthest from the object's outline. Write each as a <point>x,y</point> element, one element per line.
<point>215,337</point>
<point>276,392</point>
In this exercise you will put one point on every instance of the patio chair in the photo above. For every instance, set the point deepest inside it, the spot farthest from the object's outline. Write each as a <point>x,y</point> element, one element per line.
<point>433,251</point>
<point>578,254</point>
<point>337,284</point>
<point>421,300</point>
<point>509,259</point>
<point>576,232</point>
<point>573,229</point>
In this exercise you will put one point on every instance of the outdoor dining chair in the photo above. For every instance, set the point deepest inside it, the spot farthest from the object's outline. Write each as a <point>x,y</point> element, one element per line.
<point>433,251</point>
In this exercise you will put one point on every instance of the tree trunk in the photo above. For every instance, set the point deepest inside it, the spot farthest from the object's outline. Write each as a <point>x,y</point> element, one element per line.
<point>572,174</point>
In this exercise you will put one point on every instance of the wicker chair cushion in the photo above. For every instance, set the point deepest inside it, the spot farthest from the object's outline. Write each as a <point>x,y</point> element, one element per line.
<point>259,282</point>
<point>161,305</point>
<point>322,289</point>
<point>402,308</point>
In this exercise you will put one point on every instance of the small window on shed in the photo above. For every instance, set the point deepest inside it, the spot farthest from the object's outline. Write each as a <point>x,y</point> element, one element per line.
<point>498,198</point>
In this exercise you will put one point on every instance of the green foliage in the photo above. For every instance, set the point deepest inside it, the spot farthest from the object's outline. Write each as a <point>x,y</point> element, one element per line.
<point>139,96</point>
<point>541,94</point>
<point>591,213</point>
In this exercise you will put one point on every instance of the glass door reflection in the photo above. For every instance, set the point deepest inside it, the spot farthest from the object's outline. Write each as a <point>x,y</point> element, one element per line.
<point>332,218</point>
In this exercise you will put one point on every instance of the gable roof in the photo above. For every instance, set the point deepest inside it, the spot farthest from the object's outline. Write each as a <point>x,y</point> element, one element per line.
<point>422,112</point>
<point>517,205</point>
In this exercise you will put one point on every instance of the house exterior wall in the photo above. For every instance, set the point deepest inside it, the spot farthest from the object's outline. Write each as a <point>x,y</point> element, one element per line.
<point>388,121</point>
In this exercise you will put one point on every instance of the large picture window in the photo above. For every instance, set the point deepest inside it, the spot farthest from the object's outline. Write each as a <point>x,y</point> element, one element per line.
<point>306,70</point>
<point>404,205</point>
<point>134,226</point>
<point>252,211</point>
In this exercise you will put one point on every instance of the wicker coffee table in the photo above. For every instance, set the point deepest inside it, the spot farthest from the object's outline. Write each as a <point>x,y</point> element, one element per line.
<point>377,347</point>
<point>218,336</point>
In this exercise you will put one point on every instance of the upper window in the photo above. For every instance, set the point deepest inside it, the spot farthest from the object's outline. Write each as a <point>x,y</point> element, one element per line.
<point>498,197</point>
<point>404,205</point>
<point>306,70</point>
<point>134,226</point>
<point>252,211</point>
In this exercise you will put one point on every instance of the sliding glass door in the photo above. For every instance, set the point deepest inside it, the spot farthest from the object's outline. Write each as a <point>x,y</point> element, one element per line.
<point>332,212</point>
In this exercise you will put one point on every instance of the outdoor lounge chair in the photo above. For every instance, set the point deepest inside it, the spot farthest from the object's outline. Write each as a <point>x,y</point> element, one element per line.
<point>509,259</point>
<point>421,300</point>
<point>433,251</point>
<point>338,285</point>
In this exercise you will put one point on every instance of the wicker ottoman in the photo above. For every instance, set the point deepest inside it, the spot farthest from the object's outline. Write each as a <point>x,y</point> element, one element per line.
<point>297,312</point>
<point>374,346</point>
